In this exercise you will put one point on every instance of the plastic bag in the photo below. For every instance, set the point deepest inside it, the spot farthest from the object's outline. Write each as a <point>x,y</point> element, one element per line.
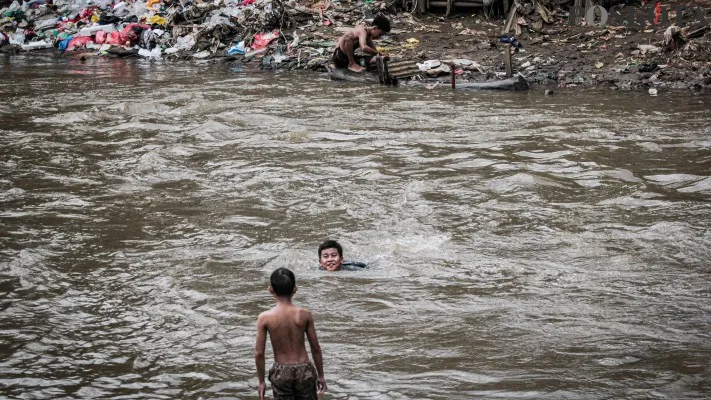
<point>64,43</point>
<point>79,41</point>
<point>17,38</point>
<point>263,39</point>
<point>238,48</point>
<point>157,20</point>
<point>115,38</point>
<point>100,37</point>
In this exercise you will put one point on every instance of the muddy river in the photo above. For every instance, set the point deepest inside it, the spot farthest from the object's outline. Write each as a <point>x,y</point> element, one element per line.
<point>519,246</point>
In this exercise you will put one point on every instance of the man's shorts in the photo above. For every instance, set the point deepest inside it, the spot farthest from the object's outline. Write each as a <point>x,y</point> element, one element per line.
<point>293,381</point>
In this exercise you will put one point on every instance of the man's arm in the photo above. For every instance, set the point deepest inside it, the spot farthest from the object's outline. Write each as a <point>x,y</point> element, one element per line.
<point>316,352</point>
<point>365,44</point>
<point>259,354</point>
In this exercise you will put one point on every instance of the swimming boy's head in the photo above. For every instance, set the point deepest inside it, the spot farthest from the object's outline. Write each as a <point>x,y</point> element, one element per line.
<point>282,282</point>
<point>381,26</point>
<point>330,255</point>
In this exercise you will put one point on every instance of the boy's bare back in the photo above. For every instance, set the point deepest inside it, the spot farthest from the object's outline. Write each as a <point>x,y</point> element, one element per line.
<point>287,324</point>
<point>292,373</point>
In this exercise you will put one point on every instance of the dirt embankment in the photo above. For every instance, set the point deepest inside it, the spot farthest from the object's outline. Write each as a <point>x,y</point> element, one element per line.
<point>638,46</point>
<point>634,54</point>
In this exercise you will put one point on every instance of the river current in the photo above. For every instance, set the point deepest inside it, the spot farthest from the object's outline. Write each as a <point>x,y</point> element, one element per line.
<point>520,246</point>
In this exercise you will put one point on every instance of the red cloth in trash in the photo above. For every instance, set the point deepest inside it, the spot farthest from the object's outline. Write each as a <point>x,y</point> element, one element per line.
<point>79,41</point>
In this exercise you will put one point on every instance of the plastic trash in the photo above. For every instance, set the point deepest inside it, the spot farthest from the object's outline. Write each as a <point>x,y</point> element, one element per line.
<point>90,31</point>
<point>512,40</point>
<point>100,37</point>
<point>116,38</point>
<point>37,45</point>
<point>183,43</point>
<point>45,24</point>
<point>157,20</point>
<point>262,40</point>
<point>278,58</point>
<point>237,49</point>
<point>64,43</point>
<point>202,54</point>
<point>119,7</point>
<point>429,64</point>
<point>255,52</point>
<point>17,38</point>
<point>79,41</point>
<point>152,54</point>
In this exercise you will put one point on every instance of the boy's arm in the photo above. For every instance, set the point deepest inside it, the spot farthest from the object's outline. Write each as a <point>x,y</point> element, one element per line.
<point>259,353</point>
<point>315,351</point>
<point>366,46</point>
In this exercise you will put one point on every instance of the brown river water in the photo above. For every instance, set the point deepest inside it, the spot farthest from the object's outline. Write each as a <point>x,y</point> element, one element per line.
<point>519,246</point>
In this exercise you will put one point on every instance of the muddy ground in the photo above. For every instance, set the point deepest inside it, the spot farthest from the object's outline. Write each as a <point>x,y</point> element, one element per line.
<point>568,56</point>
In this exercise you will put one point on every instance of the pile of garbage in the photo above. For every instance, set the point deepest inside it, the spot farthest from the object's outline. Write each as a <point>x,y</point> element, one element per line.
<point>152,28</point>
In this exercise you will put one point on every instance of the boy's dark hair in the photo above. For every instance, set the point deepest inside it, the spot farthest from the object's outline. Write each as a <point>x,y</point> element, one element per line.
<point>283,282</point>
<point>330,244</point>
<point>382,23</point>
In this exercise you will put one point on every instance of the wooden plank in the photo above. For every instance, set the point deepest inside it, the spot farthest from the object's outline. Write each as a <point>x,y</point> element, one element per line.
<point>454,4</point>
<point>421,6</point>
<point>507,61</point>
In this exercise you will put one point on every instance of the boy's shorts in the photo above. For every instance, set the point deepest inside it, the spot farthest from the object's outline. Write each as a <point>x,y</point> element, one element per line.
<point>340,59</point>
<point>293,381</point>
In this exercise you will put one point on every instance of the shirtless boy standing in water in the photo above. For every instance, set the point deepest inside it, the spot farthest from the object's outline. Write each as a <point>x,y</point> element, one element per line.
<point>292,376</point>
<point>344,55</point>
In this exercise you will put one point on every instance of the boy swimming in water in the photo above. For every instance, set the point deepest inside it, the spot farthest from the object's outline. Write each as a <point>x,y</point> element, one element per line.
<point>292,376</point>
<point>344,55</point>
<point>330,255</point>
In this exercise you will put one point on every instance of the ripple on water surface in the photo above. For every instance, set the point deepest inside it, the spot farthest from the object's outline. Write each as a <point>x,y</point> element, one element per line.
<point>519,246</point>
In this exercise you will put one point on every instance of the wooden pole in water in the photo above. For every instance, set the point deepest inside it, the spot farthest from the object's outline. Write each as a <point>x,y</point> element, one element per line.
<point>507,61</point>
<point>381,69</point>
<point>454,77</point>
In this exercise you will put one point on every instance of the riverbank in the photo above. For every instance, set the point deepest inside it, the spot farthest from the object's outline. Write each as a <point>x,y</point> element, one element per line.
<point>552,50</point>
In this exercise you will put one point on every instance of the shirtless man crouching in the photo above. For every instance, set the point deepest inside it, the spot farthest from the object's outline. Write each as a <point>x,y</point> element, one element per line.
<point>360,37</point>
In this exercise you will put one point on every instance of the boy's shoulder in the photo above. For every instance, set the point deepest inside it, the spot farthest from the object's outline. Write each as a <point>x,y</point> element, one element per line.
<point>265,316</point>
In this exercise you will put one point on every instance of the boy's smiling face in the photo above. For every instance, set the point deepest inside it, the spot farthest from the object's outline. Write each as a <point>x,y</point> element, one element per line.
<point>330,260</point>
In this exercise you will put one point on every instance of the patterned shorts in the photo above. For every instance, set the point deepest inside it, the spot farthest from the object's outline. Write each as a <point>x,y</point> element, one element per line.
<point>294,381</point>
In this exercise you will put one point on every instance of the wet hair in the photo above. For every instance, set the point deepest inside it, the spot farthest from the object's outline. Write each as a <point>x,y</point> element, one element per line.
<point>330,244</point>
<point>382,23</point>
<point>283,282</point>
